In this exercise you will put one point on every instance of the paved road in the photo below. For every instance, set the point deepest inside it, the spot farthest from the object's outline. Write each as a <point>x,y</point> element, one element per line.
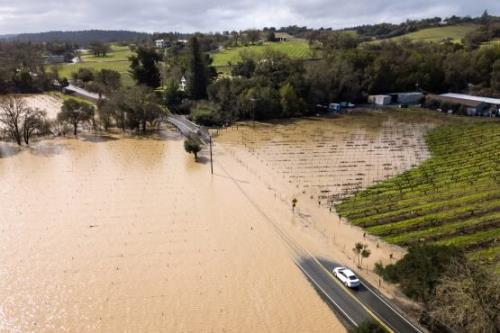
<point>82,92</point>
<point>355,305</point>
<point>187,127</point>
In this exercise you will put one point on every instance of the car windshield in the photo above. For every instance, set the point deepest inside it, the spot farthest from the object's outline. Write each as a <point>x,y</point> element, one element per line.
<point>352,277</point>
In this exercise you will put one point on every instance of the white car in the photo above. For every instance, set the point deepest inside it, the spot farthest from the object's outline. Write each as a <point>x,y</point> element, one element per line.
<point>346,276</point>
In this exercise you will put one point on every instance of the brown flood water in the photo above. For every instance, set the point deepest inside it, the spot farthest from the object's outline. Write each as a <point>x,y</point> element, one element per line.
<point>131,235</point>
<point>319,161</point>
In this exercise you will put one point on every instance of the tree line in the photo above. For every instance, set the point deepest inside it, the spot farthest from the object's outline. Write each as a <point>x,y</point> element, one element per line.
<point>272,85</point>
<point>22,69</point>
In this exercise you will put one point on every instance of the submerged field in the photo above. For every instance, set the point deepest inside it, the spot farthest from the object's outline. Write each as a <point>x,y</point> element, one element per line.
<point>128,234</point>
<point>451,199</point>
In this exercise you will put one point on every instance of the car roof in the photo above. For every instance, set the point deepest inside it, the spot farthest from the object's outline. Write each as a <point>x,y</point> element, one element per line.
<point>347,272</point>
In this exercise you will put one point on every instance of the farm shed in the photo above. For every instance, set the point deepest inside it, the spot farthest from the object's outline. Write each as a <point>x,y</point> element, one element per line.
<point>407,97</point>
<point>379,99</point>
<point>473,105</point>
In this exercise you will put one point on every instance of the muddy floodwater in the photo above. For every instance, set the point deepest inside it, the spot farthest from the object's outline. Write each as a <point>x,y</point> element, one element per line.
<point>130,235</point>
<point>120,234</point>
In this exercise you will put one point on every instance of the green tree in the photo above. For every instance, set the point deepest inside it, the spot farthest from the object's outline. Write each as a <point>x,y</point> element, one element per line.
<point>144,67</point>
<point>198,79</point>
<point>206,114</point>
<point>253,36</point>
<point>419,271</point>
<point>140,106</point>
<point>75,112</point>
<point>99,49</point>
<point>291,104</point>
<point>109,79</point>
<point>192,145</point>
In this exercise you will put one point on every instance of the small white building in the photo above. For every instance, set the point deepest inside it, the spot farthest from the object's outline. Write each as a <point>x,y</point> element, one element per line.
<point>379,99</point>
<point>183,85</point>
<point>162,43</point>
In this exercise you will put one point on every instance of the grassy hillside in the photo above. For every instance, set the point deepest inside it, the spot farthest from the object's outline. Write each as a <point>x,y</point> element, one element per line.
<point>116,60</point>
<point>453,198</point>
<point>439,34</point>
<point>298,49</point>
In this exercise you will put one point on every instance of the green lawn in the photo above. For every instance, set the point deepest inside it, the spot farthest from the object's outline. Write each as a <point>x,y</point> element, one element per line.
<point>116,60</point>
<point>438,34</point>
<point>451,199</point>
<point>297,49</point>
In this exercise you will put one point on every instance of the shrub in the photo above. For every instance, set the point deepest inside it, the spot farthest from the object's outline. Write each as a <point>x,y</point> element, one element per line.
<point>206,114</point>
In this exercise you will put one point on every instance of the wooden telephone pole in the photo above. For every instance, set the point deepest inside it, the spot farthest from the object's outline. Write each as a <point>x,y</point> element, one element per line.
<point>211,156</point>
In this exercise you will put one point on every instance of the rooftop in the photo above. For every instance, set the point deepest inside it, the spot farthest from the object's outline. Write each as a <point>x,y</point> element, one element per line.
<point>474,98</point>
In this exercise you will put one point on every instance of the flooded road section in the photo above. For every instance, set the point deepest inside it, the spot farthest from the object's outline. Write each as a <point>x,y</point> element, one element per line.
<point>319,161</point>
<point>130,235</point>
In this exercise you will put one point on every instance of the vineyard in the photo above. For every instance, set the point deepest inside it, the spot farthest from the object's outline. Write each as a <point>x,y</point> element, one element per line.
<point>453,198</point>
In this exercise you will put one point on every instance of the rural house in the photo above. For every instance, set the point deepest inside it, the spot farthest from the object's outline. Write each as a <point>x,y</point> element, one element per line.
<point>162,43</point>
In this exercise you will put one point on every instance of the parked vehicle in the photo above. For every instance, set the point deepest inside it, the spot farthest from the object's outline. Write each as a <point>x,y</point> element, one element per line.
<point>346,276</point>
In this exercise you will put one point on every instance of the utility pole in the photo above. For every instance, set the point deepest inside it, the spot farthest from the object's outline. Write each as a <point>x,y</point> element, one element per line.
<point>211,156</point>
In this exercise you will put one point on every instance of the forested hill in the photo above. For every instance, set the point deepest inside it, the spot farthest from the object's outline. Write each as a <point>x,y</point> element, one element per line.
<point>82,38</point>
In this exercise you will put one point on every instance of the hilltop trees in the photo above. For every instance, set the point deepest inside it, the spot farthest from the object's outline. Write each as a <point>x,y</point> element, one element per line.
<point>75,112</point>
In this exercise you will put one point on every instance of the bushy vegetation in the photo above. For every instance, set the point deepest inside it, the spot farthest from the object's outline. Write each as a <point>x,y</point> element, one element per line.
<point>454,292</point>
<point>451,199</point>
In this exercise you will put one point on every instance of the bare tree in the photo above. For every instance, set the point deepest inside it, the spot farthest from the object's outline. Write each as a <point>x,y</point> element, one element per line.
<point>12,112</point>
<point>361,252</point>
<point>467,299</point>
<point>34,122</point>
